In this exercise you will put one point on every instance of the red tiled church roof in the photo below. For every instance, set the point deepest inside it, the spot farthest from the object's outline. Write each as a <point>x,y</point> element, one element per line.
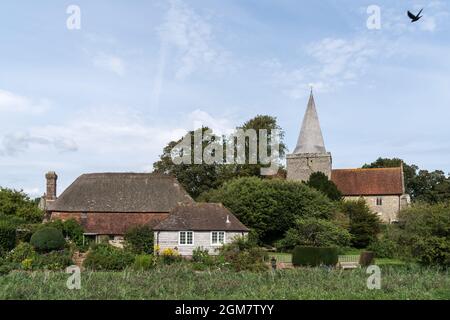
<point>360,182</point>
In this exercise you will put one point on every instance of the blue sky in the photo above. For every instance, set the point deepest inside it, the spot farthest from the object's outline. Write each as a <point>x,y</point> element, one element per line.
<point>138,74</point>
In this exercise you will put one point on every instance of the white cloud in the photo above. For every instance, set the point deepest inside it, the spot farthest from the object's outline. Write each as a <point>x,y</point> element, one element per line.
<point>12,102</point>
<point>192,38</point>
<point>110,62</point>
<point>335,62</point>
<point>13,144</point>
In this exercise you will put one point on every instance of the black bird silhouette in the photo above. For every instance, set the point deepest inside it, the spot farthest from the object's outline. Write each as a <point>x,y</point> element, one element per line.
<point>413,17</point>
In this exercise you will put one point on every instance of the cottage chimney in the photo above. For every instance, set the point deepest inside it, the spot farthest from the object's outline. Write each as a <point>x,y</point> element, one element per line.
<point>51,186</point>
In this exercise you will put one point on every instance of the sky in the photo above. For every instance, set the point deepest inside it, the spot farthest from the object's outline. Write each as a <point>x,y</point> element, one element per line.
<point>107,97</point>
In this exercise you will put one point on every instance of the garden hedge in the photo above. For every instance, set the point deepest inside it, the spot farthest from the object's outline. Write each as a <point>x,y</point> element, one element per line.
<point>7,236</point>
<point>314,256</point>
<point>48,239</point>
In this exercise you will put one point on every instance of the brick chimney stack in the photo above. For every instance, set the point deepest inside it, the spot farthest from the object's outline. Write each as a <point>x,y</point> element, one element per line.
<point>51,186</point>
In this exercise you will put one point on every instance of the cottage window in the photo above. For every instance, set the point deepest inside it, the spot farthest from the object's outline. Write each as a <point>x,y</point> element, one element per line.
<point>217,237</point>
<point>379,201</point>
<point>186,238</point>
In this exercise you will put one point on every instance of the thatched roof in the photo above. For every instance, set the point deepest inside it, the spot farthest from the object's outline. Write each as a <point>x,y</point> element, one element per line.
<point>121,192</point>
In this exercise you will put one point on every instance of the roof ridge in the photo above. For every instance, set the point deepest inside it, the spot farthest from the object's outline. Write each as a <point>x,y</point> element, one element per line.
<point>362,169</point>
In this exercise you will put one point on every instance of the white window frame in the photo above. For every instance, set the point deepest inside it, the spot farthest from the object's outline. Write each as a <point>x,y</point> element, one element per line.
<point>185,244</point>
<point>218,243</point>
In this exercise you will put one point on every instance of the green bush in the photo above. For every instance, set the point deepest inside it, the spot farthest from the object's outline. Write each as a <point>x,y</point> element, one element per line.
<point>6,268</point>
<point>48,239</point>
<point>314,232</point>
<point>269,206</point>
<point>106,257</point>
<point>140,239</point>
<point>314,256</point>
<point>7,235</point>
<point>364,224</point>
<point>384,248</point>
<point>23,251</point>
<point>202,256</point>
<point>433,251</point>
<point>144,262</point>
<point>243,255</point>
<point>70,229</point>
<point>17,204</point>
<point>55,260</point>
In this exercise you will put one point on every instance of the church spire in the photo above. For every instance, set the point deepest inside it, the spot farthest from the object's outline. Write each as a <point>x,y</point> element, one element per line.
<point>310,139</point>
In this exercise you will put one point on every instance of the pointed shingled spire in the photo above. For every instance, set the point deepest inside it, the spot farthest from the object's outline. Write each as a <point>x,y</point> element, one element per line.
<point>310,139</point>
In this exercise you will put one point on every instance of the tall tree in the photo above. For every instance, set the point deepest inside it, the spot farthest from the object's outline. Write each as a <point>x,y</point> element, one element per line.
<point>319,181</point>
<point>421,185</point>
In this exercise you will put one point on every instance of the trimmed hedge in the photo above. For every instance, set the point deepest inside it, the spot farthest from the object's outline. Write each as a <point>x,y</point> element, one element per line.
<point>314,256</point>
<point>48,239</point>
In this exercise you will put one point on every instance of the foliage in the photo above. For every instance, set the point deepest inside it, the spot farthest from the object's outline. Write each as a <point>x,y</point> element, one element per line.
<point>144,262</point>
<point>18,204</point>
<point>106,257</point>
<point>421,185</point>
<point>242,254</point>
<point>54,261</point>
<point>319,181</point>
<point>202,256</point>
<point>314,256</point>
<point>6,268</point>
<point>364,224</point>
<point>22,252</point>
<point>424,233</point>
<point>140,239</point>
<point>48,239</point>
<point>70,229</point>
<point>7,235</point>
<point>269,206</point>
<point>199,178</point>
<point>384,248</point>
<point>169,256</point>
<point>315,232</point>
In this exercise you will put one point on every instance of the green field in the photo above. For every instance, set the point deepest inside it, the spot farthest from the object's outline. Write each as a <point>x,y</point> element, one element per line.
<point>180,282</point>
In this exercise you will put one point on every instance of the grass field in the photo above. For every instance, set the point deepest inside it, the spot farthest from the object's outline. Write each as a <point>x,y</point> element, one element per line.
<point>179,282</point>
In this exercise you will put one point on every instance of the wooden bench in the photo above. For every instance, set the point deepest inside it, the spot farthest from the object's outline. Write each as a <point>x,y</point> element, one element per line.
<point>348,262</point>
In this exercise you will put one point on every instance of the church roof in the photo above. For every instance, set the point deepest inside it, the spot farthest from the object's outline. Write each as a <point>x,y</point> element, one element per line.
<point>310,139</point>
<point>365,182</point>
<point>121,192</point>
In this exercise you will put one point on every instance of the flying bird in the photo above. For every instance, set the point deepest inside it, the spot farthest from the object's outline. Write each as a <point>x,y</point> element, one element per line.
<point>413,17</point>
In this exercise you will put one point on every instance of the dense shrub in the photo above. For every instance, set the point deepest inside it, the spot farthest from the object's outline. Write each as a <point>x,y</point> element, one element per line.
<point>384,248</point>
<point>270,205</point>
<point>140,239</point>
<point>7,235</point>
<point>202,256</point>
<point>48,239</point>
<point>70,229</point>
<point>106,257</point>
<point>319,181</point>
<point>314,256</point>
<point>242,254</point>
<point>144,262</point>
<point>424,233</point>
<point>21,252</point>
<point>169,256</point>
<point>364,224</point>
<point>6,268</point>
<point>316,233</point>
<point>55,260</point>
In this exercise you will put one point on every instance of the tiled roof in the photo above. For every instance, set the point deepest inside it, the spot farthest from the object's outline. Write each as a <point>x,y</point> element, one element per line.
<point>121,192</point>
<point>378,181</point>
<point>201,217</point>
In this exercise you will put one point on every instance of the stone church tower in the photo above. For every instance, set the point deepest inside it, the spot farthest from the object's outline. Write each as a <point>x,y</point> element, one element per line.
<point>310,154</point>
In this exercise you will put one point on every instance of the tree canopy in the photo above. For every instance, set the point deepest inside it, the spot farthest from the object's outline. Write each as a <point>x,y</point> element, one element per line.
<point>319,181</point>
<point>269,207</point>
<point>421,185</point>
<point>15,203</point>
<point>198,178</point>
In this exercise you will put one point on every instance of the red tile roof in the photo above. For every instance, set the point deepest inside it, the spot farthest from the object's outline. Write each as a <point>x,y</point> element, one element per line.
<point>360,182</point>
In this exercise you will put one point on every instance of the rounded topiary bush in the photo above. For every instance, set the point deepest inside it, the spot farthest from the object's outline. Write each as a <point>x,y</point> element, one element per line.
<point>48,239</point>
